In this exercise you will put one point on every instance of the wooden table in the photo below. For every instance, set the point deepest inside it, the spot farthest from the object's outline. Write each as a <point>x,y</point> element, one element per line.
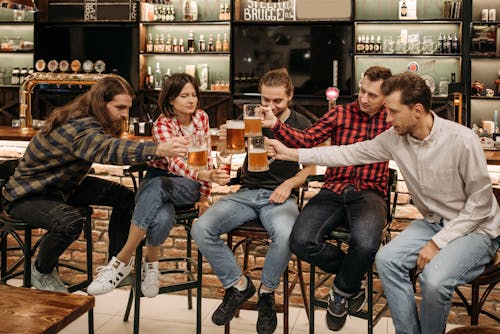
<point>492,157</point>
<point>25,310</point>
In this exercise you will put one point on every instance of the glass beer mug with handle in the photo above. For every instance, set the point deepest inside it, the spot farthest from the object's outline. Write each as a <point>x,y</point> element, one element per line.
<point>252,117</point>
<point>257,155</point>
<point>198,152</point>
<point>235,138</point>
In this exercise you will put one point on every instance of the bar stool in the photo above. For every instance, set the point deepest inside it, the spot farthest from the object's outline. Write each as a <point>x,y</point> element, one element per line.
<point>253,232</point>
<point>183,217</point>
<point>489,278</point>
<point>21,232</point>
<point>341,235</point>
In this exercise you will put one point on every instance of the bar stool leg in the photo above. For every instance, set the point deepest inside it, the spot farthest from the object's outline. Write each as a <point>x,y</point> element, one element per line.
<point>311,298</point>
<point>27,258</point>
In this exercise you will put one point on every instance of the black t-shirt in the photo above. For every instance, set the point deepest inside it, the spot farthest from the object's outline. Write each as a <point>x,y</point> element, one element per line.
<point>279,170</point>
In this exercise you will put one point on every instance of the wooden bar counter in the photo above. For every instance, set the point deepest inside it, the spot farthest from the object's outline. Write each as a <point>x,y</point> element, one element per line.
<point>10,133</point>
<point>24,310</point>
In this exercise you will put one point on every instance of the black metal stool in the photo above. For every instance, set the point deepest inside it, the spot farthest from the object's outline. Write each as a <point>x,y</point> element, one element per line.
<point>341,235</point>
<point>253,232</point>
<point>183,217</point>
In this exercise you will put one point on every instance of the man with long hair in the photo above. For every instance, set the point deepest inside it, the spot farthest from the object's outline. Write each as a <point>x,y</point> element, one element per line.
<point>52,180</point>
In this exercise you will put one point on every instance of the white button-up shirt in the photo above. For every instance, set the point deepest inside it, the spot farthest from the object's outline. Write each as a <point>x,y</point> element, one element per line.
<point>445,173</point>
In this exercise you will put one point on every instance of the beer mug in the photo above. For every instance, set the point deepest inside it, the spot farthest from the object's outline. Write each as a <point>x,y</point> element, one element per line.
<point>198,152</point>
<point>252,117</point>
<point>257,155</point>
<point>414,47</point>
<point>235,138</point>
<point>388,45</point>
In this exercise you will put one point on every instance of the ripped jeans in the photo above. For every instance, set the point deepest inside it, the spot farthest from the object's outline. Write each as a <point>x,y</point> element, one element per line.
<point>63,222</point>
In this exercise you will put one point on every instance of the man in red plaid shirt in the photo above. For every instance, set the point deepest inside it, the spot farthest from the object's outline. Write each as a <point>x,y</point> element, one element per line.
<point>351,196</point>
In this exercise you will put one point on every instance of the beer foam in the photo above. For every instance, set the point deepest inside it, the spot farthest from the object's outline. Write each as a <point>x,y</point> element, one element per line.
<point>235,125</point>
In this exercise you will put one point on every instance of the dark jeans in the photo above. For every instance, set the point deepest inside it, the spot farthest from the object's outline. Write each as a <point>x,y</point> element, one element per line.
<point>63,222</point>
<point>364,212</point>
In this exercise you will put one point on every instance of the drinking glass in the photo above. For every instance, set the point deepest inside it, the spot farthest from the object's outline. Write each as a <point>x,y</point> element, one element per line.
<point>443,86</point>
<point>257,155</point>
<point>388,45</point>
<point>198,152</point>
<point>252,117</point>
<point>235,141</point>
<point>224,161</point>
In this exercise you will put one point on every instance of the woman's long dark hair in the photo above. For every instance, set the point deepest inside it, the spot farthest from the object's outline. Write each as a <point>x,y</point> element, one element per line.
<point>92,103</point>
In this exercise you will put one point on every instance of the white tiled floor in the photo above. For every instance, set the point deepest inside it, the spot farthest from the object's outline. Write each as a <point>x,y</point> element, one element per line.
<point>168,313</point>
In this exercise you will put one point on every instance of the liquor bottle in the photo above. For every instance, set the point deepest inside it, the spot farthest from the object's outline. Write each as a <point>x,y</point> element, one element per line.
<point>22,75</point>
<point>218,44</point>
<point>449,44</point>
<point>228,12</point>
<point>377,47</point>
<point>181,45</point>
<point>360,47</point>
<point>202,46</point>
<point>366,41</point>
<point>161,45</point>
<point>155,13</point>
<point>175,46</point>
<point>225,43</point>
<point>168,73</point>
<point>168,44</point>
<point>158,77</point>
<point>156,43</point>
<point>14,78</point>
<point>440,43</point>
<point>190,42</point>
<point>455,46</point>
<point>149,43</point>
<point>204,77</point>
<point>222,12</point>
<point>148,79</point>
<point>404,9</point>
<point>372,43</point>
<point>211,47</point>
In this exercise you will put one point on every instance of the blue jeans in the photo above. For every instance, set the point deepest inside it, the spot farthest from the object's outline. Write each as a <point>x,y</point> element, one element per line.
<point>364,212</point>
<point>232,211</point>
<point>63,222</point>
<point>459,262</point>
<point>158,196</point>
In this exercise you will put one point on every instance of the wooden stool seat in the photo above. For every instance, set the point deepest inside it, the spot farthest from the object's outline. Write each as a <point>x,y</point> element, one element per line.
<point>25,310</point>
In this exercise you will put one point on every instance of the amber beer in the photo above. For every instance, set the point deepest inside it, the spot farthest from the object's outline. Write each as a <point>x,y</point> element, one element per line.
<point>235,142</point>
<point>257,160</point>
<point>251,116</point>
<point>257,154</point>
<point>197,158</point>
<point>253,127</point>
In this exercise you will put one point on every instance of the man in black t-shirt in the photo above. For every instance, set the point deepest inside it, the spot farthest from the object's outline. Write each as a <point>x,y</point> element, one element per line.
<point>264,195</point>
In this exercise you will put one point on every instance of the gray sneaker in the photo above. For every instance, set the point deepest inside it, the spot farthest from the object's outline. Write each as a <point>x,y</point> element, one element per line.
<point>336,314</point>
<point>47,282</point>
<point>356,302</point>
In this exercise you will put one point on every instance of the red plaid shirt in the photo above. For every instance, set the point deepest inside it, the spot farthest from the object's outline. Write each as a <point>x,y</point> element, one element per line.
<point>344,124</point>
<point>167,127</point>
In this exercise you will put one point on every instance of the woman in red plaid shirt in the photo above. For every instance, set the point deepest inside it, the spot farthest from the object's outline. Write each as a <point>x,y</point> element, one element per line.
<point>169,183</point>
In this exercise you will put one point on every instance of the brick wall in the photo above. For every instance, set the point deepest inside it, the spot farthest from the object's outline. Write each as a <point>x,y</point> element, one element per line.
<point>176,244</point>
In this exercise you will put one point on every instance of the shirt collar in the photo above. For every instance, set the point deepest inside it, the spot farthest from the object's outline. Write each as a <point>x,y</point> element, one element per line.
<point>436,126</point>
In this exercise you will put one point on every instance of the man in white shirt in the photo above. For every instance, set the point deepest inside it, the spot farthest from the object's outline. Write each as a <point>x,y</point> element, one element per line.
<point>445,170</point>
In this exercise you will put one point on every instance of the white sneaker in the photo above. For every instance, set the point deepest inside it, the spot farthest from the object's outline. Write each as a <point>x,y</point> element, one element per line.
<point>47,282</point>
<point>109,276</point>
<point>150,279</point>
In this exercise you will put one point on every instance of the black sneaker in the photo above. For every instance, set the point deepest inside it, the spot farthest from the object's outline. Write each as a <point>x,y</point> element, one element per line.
<point>356,302</point>
<point>336,311</point>
<point>267,320</point>
<point>233,298</point>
